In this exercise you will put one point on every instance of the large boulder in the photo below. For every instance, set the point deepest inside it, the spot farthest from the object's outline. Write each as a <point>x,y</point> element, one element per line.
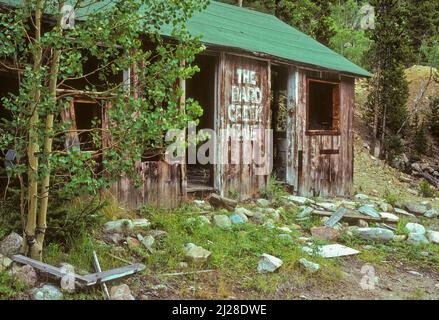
<point>238,219</point>
<point>11,245</point>
<point>244,211</point>
<point>121,292</point>
<point>433,236</point>
<point>269,263</point>
<point>432,213</point>
<point>26,275</point>
<point>46,292</point>
<point>374,234</point>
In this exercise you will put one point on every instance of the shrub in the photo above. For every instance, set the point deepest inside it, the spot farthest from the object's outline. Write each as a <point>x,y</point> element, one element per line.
<point>426,190</point>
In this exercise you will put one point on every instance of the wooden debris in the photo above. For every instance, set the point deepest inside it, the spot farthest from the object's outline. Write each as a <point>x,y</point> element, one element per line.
<point>352,217</point>
<point>219,202</point>
<point>98,269</point>
<point>336,217</point>
<point>87,280</point>
<point>184,273</point>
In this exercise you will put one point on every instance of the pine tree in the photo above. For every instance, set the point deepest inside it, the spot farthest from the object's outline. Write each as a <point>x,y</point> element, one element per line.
<point>387,55</point>
<point>434,116</point>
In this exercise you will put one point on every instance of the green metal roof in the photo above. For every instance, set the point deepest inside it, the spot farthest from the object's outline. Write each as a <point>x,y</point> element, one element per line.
<point>231,26</point>
<point>234,27</point>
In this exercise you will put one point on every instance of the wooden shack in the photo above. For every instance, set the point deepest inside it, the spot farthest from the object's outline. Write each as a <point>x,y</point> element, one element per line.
<point>288,98</point>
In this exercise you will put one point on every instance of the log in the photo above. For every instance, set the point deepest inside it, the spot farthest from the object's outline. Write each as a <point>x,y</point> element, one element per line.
<point>219,202</point>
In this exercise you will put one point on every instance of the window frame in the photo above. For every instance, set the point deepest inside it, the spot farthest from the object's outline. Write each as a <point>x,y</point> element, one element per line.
<point>336,94</point>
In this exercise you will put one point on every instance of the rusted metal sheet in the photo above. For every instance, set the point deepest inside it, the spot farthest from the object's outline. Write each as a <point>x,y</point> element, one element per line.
<point>322,164</point>
<point>243,116</point>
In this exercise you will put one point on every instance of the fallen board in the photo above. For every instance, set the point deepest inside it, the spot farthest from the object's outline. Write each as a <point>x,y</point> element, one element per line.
<point>87,280</point>
<point>336,217</point>
<point>331,251</point>
<point>351,216</point>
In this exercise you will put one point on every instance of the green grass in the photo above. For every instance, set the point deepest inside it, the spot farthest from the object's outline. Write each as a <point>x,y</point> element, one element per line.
<point>9,287</point>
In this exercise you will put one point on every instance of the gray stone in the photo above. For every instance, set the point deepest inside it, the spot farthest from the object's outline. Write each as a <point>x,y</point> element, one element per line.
<point>5,263</point>
<point>327,206</point>
<point>47,292</point>
<point>385,207</point>
<point>147,241</point>
<point>399,237</point>
<point>183,265</point>
<point>119,226</point>
<point>240,210</point>
<point>259,217</point>
<point>363,224</point>
<point>403,212</point>
<point>270,223</point>
<point>432,213</point>
<point>418,209</point>
<point>361,196</point>
<point>299,200</point>
<point>263,203</point>
<point>368,210</point>
<point>417,238</point>
<point>26,275</point>
<point>309,266</point>
<point>121,292</point>
<point>222,221</point>
<point>275,215</point>
<point>305,212</point>
<point>141,223</point>
<point>433,236</point>
<point>389,216</point>
<point>196,253</point>
<point>374,234</point>
<point>414,228</point>
<point>11,245</point>
<point>238,219</point>
<point>269,263</point>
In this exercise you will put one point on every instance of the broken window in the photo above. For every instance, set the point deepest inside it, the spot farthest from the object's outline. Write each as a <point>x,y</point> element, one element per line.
<point>323,107</point>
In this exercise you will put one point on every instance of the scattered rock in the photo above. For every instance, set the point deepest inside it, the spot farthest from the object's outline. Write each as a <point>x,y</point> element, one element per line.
<point>238,219</point>
<point>244,211</point>
<point>11,245</point>
<point>415,228</point>
<point>269,223</point>
<point>26,275</point>
<point>432,213</point>
<point>327,206</point>
<point>309,266</point>
<point>5,263</point>
<point>374,234</point>
<point>389,216</point>
<point>385,207</point>
<point>285,229</point>
<point>119,226</point>
<point>418,209</point>
<point>403,212</point>
<point>196,253</point>
<point>275,215</point>
<point>114,238</point>
<point>147,241</point>
<point>47,292</point>
<point>133,243</point>
<point>141,223</point>
<point>264,203</point>
<point>368,210</point>
<point>269,263</point>
<point>363,224</point>
<point>259,217</point>
<point>433,236</point>
<point>361,196</point>
<point>183,265</point>
<point>331,251</point>
<point>305,212</point>
<point>121,292</point>
<point>417,238</point>
<point>299,200</point>
<point>325,233</point>
<point>222,221</point>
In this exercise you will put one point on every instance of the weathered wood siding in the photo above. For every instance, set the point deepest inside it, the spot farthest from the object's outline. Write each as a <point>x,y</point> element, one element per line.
<point>246,112</point>
<point>320,164</point>
<point>161,186</point>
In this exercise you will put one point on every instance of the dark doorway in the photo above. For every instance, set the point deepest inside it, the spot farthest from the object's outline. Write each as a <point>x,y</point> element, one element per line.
<point>279,114</point>
<point>202,88</point>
